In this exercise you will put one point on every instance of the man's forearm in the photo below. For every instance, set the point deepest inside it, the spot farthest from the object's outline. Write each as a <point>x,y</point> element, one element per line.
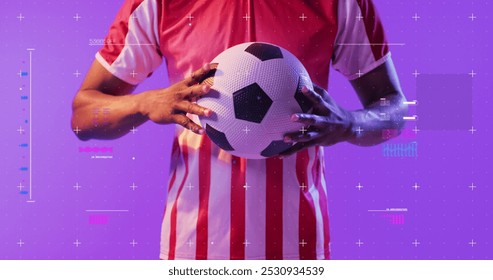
<point>101,116</point>
<point>367,124</point>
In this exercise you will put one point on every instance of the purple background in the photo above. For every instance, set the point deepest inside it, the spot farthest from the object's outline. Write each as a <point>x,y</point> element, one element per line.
<point>444,215</point>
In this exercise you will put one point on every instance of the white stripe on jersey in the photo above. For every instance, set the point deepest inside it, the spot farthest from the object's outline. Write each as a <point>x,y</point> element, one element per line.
<point>219,212</point>
<point>140,42</point>
<point>187,212</point>
<point>352,48</point>
<point>255,222</point>
<point>291,207</point>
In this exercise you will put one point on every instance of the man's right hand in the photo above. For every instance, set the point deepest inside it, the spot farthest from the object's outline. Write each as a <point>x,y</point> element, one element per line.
<point>171,104</point>
<point>104,107</point>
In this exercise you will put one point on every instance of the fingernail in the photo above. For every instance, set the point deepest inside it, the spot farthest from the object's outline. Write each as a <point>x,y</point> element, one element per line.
<point>207,112</point>
<point>206,66</point>
<point>287,139</point>
<point>304,89</point>
<point>295,117</point>
<point>201,131</point>
<point>206,88</point>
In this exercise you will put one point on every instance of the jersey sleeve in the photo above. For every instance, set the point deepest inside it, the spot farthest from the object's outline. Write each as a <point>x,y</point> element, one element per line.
<point>131,48</point>
<point>360,45</point>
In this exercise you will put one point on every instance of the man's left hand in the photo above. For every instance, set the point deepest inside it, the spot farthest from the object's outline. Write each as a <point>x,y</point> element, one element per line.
<point>327,125</point>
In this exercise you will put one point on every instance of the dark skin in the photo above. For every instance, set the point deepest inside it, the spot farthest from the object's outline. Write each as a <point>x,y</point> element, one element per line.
<point>330,124</point>
<point>327,125</point>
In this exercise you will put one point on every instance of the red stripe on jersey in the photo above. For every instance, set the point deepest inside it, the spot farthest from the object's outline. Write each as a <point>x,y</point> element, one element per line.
<point>322,200</point>
<point>307,220</point>
<point>273,209</point>
<point>175,153</point>
<point>115,40</point>
<point>204,190</point>
<point>174,214</point>
<point>237,233</point>
<point>374,29</point>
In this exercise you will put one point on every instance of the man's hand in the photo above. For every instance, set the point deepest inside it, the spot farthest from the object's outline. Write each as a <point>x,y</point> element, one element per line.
<point>327,125</point>
<point>101,91</point>
<point>170,105</point>
<point>330,124</point>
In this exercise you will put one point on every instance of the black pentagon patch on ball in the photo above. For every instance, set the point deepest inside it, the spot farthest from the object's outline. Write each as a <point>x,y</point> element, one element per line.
<point>303,101</point>
<point>251,103</point>
<point>264,51</point>
<point>218,137</point>
<point>275,148</point>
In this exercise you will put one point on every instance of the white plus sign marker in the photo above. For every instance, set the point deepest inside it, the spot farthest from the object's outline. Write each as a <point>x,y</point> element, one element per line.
<point>303,17</point>
<point>20,73</point>
<point>189,243</point>
<point>303,130</point>
<point>246,129</point>
<point>246,17</point>
<point>359,73</point>
<point>20,130</point>
<point>77,130</point>
<point>416,17</point>
<point>303,187</point>
<point>133,130</point>
<point>77,17</point>
<point>359,17</point>
<point>20,186</point>
<point>77,243</point>
<point>77,73</point>
<point>472,186</point>
<point>20,17</point>
<point>133,243</point>
<point>359,130</point>
<point>359,186</point>
<point>246,186</point>
<point>416,130</point>
<point>472,130</point>
<point>20,243</point>
<point>416,243</point>
<point>472,17</point>
<point>472,73</point>
<point>472,243</point>
<point>359,243</point>
<point>303,243</point>
<point>416,73</point>
<point>189,187</point>
<point>133,186</point>
<point>416,186</point>
<point>77,186</point>
<point>133,73</point>
<point>246,243</point>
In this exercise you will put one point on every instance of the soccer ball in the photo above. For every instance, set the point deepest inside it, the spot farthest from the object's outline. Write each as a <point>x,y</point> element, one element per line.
<point>255,88</point>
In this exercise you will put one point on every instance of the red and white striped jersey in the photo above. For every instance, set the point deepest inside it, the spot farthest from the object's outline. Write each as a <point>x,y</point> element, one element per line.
<point>220,206</point>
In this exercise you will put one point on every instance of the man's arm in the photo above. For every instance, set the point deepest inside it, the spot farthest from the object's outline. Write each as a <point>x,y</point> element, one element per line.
<point>104,108</point>
<point>381,95</point>
<point>330,124</point>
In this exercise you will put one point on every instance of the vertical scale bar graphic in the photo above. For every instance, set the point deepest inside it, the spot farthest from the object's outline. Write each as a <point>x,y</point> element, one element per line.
<point>30,50</point>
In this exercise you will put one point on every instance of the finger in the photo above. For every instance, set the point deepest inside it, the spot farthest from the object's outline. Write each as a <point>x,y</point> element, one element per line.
<point>198,75</point>
<point>321,91</point>
<point>309,119</point>
<point>316,99</point>
<point>197,91</point>
<point>188,124</point>
<point>193,108</point>
<point>301,137</point>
